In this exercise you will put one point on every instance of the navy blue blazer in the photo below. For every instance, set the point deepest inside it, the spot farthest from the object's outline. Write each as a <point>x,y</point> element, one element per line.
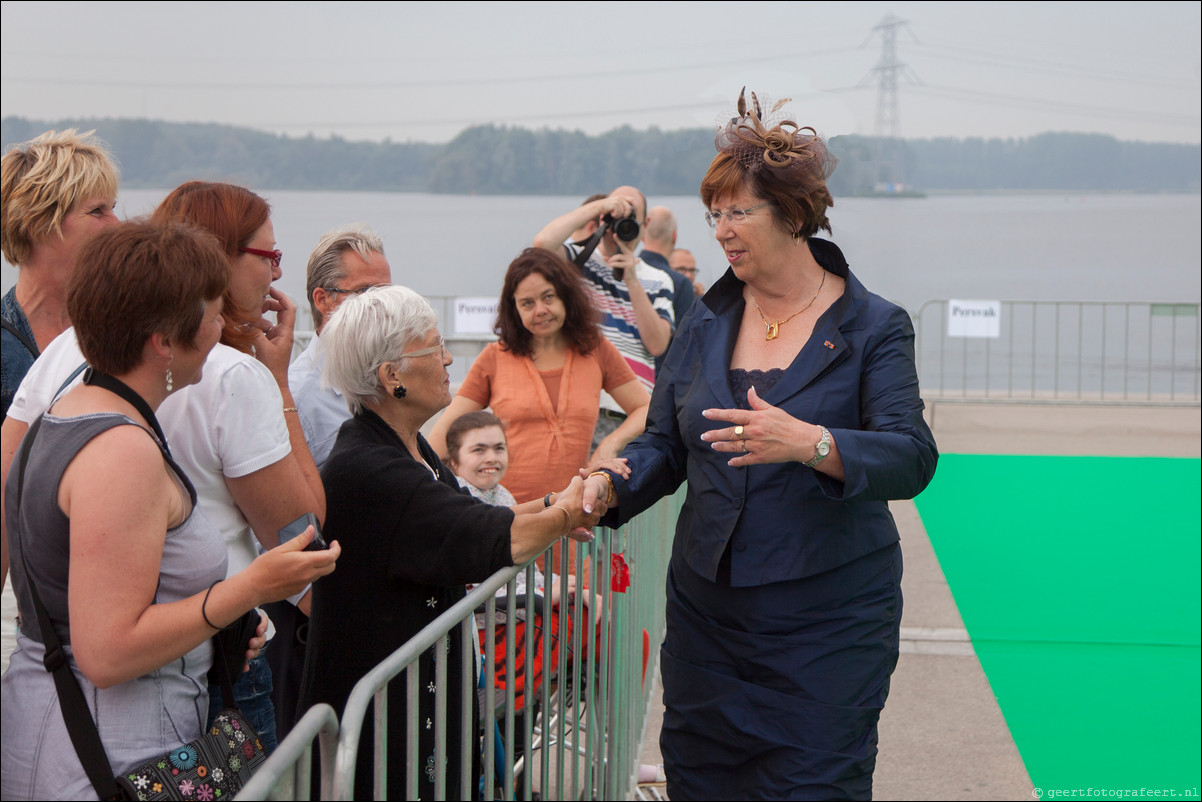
<point>856,376</point>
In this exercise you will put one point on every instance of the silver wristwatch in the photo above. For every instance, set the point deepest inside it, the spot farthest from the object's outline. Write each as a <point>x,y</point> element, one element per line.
<point>822,449</point>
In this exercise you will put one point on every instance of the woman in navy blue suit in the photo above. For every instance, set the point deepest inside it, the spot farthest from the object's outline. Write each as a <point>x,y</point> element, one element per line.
<point>789,402</point>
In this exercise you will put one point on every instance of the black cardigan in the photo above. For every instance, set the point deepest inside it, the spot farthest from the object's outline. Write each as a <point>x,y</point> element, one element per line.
<point>409,544</point>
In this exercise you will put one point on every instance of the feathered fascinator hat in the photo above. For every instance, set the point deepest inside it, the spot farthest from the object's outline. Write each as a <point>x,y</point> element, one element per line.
<point>774,142</point>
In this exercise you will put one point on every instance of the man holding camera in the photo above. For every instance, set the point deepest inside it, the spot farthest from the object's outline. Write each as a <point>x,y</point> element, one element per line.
<point>634,298</point>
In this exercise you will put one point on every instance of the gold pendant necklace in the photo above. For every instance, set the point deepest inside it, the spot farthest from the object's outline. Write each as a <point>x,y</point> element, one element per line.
<point>772,330</point>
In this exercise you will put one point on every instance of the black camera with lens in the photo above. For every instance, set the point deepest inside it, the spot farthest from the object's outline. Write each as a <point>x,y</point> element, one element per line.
<point>625,229</point>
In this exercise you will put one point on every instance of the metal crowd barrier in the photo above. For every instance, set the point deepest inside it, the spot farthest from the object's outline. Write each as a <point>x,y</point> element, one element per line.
<point>1080,352</point>
<point>582,726</point>
<point>1076,352</point>
<point>287,774</point>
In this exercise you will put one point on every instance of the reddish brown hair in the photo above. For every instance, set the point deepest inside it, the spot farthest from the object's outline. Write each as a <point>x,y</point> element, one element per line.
<point>579,319</point>
<point>232,214</point>
<point>138,279</point>
<point>799,197</point>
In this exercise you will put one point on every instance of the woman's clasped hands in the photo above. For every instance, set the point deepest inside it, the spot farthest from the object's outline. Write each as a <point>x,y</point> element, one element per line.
<point>764,434</point>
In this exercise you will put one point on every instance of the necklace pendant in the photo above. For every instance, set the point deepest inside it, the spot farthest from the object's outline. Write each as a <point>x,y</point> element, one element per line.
<point>771,331</point>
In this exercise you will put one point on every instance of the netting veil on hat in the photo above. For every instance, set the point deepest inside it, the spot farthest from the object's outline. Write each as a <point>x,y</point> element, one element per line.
<point>776,142</point>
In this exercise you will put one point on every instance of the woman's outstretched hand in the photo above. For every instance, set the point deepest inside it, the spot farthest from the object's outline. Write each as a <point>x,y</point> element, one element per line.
<point>571,500</point>
<point>597,496</point>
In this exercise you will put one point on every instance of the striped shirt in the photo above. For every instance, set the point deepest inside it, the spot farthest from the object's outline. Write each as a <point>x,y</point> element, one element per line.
<point>610,296</point>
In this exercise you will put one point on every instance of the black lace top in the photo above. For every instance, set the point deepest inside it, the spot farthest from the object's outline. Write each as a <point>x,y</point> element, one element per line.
<point>743,380</point>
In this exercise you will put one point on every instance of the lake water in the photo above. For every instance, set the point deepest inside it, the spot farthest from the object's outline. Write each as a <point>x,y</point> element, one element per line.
<point>1005,247</point>
<point>1046,247</point>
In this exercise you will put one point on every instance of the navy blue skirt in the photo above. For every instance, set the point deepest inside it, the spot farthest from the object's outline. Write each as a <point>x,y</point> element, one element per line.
<point>774,692</point>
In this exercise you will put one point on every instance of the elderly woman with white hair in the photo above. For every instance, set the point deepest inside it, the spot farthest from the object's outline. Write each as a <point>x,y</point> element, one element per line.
<point>411,538</point>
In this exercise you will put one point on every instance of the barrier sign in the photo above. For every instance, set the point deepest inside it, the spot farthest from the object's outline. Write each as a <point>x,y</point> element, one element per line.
<point>475,315</point>
<point>974,318</point>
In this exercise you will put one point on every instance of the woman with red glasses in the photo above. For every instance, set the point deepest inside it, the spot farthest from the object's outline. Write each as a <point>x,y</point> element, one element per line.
<point>238,434</point>
<point>235,431</point>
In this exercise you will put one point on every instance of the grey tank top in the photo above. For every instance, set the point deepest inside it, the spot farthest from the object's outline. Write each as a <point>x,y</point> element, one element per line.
<point>39,532</point>
<point>138,719</point>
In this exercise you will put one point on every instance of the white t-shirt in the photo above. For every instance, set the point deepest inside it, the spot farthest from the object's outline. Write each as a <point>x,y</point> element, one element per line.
<point>229,424</point>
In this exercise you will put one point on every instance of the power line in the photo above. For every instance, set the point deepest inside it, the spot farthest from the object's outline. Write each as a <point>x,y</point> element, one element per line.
<point>418,83</point>
<point>1043,66</point>
<point>515,118</point>
<point>1035,104</point>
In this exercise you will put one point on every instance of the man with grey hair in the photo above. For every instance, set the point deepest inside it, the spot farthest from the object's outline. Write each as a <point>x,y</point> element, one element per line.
<point>659,241</point>
<point>347,261</point>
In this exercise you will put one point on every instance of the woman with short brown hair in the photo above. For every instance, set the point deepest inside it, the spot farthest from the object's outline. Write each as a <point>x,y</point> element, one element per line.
<point>235,432</point>
<point>789,403</point>
<point>104,525</point>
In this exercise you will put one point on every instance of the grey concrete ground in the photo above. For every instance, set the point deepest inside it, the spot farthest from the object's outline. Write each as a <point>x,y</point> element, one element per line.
<point>942,734</point>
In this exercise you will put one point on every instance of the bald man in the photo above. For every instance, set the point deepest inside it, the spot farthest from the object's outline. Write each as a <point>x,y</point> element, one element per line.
<point>659,242</point>
<point>682,262</point>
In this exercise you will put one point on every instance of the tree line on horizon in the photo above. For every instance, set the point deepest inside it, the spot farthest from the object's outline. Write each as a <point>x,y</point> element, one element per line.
<point>502,160</point>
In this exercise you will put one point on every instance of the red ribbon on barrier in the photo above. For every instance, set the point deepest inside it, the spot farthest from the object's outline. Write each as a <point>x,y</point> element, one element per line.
<point>619,578</point>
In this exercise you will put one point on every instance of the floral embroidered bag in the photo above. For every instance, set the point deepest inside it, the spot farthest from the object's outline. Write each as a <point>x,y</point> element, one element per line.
<point>213,767</point>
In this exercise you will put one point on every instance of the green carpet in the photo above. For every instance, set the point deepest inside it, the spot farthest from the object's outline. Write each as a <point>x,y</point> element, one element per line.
<point>1078,581</point>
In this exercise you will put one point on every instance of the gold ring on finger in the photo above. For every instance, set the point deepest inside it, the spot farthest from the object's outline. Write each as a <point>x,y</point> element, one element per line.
<point>739,432</point>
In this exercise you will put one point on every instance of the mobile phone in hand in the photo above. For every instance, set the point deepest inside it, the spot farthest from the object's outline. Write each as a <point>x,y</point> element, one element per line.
<point>298,526</point>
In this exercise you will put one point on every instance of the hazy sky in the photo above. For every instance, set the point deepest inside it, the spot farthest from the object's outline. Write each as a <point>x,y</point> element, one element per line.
<point>425,71</point>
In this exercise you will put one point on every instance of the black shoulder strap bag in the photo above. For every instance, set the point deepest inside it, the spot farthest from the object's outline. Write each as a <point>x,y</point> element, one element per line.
<point>221,760</point>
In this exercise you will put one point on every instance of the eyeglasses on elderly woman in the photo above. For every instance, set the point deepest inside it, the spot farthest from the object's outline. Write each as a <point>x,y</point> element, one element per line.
<point>439,348</point>
<point>735,215</point>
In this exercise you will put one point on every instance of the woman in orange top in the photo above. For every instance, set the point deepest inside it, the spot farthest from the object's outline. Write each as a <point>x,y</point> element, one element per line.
<point>544,378</point>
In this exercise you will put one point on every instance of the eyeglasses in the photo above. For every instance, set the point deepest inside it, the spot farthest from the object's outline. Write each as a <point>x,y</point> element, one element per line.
<point>272,256</point>
<point>357,291</point>
<point>691,272</point>
<point>439,348</point>
<point>735,216</point>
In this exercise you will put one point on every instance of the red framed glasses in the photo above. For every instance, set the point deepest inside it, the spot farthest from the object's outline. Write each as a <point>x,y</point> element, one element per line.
<point>272,256</point>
